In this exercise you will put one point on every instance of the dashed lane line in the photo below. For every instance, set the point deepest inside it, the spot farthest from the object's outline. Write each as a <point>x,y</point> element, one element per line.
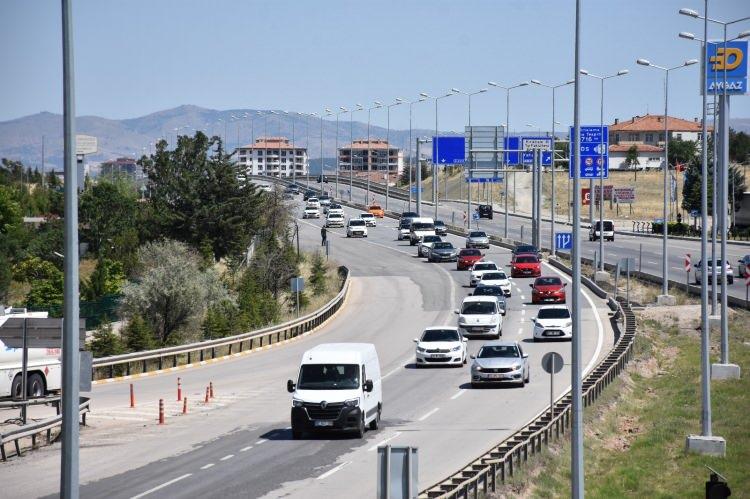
<point>227,457</point>
<point>458,394</point>
<point>165,484</point>
<point>245,449</point>
<point>430,413</point>
<point>209,465</point>
<point>384,441</point>
<point>334,470</point>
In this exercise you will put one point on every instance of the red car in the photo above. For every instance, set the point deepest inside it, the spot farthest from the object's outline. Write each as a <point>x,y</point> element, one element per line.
<point>467,257</point>
<point>548,289</point>
<point>525,265</point>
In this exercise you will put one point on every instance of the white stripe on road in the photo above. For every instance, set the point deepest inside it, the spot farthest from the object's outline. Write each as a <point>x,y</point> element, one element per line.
<point>520,331</point>
<point>245,449</point>
<point>228,456</point>
<point>384,441</point>
<point>460,392</point>
<point>436,409</point>
<point>334,470</point>
<point>165,484</point>
<point>209,465</point>
<point>261,441</point>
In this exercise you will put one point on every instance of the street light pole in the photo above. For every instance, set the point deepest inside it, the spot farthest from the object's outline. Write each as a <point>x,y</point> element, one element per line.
<point>665,259</point>
<point>554,140</point>
<point>307,146</point>
<point>437,155</point>
<point>601,158</point>
<point>398,102</point>
<point>471,158</point>
<point>322,166</point>
<point>377,105</point>
<point>343,110</point>
<point>351,149</point>
<point>422,97</point>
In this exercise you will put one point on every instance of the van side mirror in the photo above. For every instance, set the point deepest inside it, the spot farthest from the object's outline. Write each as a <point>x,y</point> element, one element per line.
<point>565,285</point>
<point>416,340</point>
<point>290,386</point>
<point>525,355</point>
<point>472,357</point>
<point>455,311</point>
<point>368,386</point>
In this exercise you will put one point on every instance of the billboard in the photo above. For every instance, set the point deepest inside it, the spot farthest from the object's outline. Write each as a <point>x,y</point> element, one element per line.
<point>729,60</point>
<point>624,195</point>
<point>448,151</point>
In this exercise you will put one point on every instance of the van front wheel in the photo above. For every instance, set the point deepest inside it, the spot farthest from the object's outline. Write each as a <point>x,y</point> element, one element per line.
<point>360,431</point>
<point>375,423</point>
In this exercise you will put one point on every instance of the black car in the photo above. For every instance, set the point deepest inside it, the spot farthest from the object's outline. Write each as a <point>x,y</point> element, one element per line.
<point>485,211</point>
<point>409,214</point>
<point>440,228</point>
<point>322,178</point>
<point>526,248</point>
<point>309,194</point>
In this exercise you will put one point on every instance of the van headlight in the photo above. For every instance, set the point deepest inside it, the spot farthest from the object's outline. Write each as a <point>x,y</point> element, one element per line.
<point>352,402</point>
<point>456,348</point>
<point>420,349</point>
<point>516,367</point>
<point>569,323</point>
<point>296,403</point>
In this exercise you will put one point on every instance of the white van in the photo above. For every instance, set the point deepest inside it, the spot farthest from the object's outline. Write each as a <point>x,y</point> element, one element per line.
<point>480,316</point>
<point>338,388</point>
<point>43,370</point>
<point>608,234</point>
<point>421,227</point>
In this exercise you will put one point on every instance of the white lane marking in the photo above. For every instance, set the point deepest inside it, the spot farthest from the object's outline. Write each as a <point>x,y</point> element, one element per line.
<point>651,262</point>
<point>523,297</point>
<point>392,372</point>
<point>209,465</point>
<point>261,441</point>
<point>436,409</point>
<point>520,331</point>
<point>119,418</point>
<point>384,441</point>
<point>165,484</point>
<point>334,470</point>
<point>460,392</point>
<point>228,456</point>
<point>245,449</point>
<point>523,311</point>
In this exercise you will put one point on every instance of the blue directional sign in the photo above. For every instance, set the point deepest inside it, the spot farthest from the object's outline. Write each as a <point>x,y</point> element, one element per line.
<point>475,216</point>
<point>563,240</point>
<point>451,151</point>
<point>485,180</point>
<point>594,151</point>
<point>527,146</point>
<point>414,189</point>
<point>734,60</point>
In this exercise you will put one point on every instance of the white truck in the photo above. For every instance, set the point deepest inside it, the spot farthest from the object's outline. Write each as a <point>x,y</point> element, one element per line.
<point>44,368</point>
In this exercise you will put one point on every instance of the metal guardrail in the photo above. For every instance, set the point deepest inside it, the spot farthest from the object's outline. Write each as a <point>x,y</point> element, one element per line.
<point>501,461</point>
<point>156,360</point>
<point>33,430</point>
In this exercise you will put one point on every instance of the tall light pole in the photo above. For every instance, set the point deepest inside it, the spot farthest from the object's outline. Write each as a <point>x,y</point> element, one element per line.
<point>665,259</point>
<point>602,79</point>
<point>328,112</point>
<point>351,149</point>
<point>377,105</point>
<point>422,97</point>
<point>552,167</point>
<point>469,95</point>
<point>536,194</point>
<point>505,146</point>
<point>453,91</point>
<point>343,110</point>
<point>307,145</point>
<point>398,102</point>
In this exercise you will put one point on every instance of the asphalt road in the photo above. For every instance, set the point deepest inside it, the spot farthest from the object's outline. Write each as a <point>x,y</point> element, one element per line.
<point>647,251</point>
<point>240,444</point>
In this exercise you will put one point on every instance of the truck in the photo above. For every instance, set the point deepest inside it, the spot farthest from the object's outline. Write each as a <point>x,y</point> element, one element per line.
<point>44,369</point>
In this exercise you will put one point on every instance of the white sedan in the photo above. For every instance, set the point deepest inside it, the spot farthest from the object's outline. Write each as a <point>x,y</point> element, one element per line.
<point>369,219</point>
<point>441,346</point>
<point>495,278</point>
<point>553,322</point>
<point>311,212</point>
<point>480,268</point>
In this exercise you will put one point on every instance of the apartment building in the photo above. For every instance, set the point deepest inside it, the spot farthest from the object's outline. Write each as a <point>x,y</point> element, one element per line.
<point>376,156</point>
<point>272,156</point>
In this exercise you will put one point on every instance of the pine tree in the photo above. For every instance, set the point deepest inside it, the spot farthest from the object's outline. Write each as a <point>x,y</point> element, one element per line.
<point>318,271</point>
<point>105,341</point>
<point>137,335</point>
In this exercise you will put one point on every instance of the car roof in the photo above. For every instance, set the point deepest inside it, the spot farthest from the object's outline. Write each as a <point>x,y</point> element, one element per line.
<point>479,298</point>
<point>441,328</point>
<point>500,343</point>
<point>487,261</point>
<point>553,306</point>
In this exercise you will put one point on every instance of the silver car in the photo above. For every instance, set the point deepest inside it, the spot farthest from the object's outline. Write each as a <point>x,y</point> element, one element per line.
<point>500,362</point>
<point>477,239</point>
<point>711,270</point>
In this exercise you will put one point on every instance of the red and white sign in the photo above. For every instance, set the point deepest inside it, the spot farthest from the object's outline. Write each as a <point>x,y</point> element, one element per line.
<point>747,279</point>
<point>586,196</point>
<point>687,263</point>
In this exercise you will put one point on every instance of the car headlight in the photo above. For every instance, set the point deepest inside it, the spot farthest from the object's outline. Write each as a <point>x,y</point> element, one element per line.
<point>461,320</point>
<point>477,368</point>
<point>296,403</point>
<point>456,348</point>
<point>569,323</point>
<point>351,402</point>
<point>420,349</point>
<point>516,367</point>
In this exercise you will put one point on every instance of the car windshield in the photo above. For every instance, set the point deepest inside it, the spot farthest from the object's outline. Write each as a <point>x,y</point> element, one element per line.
<point>375,207</point>
<point>493,276</point>
<point>548,281</point>
<point>366,215</point>
<point>312,200</point>
<point>441,335</point>
<point>527,259</point>
<point>328,377</point>
<point>478,307</point>
<point>485,266</point>
<point>553,313</point>
<point>311,208</point>
<point>498,351</point>
<point>334,207</point>
<point>471,252</point>
<point>477,234</point>
<point>356,223</point>
<point>408,214</point>
<point>431,239</point>
<point>489,291</point>
<point>422,226</point>
<point>404,224</point>
<point>442,245</point>
<point>439,223</point>
<point>525,249</point>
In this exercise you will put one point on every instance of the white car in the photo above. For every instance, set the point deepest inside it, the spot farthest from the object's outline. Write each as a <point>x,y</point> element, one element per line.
<point>553,322</point>
<point>334,209</point>
<point>356,228</point>
<point>404,228</point>
<point>441,346</point>
<point>265,187</point>
<point>313,202</point>
<point>480,268</point>
<point>423,248</point>
<point>325,201</point>
<point>495,278</point>
<point>369,219</point>
<point>713,269</point>
<point>311,212</point>
<point>334,220</point>
<point>480,316</point>
<point>420,227</point>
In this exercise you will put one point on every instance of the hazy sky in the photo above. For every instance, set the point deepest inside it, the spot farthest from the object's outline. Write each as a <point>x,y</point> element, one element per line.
<point>134,57</point>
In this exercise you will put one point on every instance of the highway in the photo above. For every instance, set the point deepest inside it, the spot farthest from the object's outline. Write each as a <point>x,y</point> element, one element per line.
<point>647,251</point>
<point>240,445</point>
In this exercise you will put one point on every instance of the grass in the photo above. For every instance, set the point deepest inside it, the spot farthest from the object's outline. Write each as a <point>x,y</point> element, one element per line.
<point>314,302</point>
<point>634,435</point>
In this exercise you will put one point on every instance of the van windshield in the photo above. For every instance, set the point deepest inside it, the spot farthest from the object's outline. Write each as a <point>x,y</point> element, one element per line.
<point>422,226</point>
<point>328,377</point>
<point>478,307</point>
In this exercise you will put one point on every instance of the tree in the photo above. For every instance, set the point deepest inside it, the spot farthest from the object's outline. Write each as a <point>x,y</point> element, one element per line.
<point>257,305</point>
<point>109,208</point>
<point>107,279</point>
<point>137,335</point>
<point>739,146</point>
<point>10,210</point>
<point>105,342</point>
<point>632,157</point>
<point>682,151</point>
<point>46,282</point>
<point>170,290</point>
<point>318,271</point>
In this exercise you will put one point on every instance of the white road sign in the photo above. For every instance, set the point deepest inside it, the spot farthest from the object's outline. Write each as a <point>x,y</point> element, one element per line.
<point>86,144</point>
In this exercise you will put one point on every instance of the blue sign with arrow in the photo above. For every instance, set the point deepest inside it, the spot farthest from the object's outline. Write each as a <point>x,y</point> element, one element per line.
<point>448,151</point>
<point>563,240</point>
<point>594,154</point>
<point>524,147</point>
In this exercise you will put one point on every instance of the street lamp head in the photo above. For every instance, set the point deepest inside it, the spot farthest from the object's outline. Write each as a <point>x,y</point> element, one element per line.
<point>536,82</point>
<point>327,110</point>
<point>686,35</point>
<point>482,90</point>
<point>343,108</point>
<point>690,62</point>
<point>583,71</point>
<point>492,84</point>
<point>399,100</point>
<point>422,94</point>
<point>569,82</point>
<point>623,72</point>
<point>643,62</point>
<point>523,83</point>
<point>689,12</point>
<point>422,99</point>
<point>455,91</point>
<point>744,34</point>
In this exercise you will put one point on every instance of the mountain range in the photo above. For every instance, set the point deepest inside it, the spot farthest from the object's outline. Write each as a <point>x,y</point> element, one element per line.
<point>21,138</point>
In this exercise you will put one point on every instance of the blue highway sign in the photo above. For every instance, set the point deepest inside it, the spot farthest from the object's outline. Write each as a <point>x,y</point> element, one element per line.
<point>736,65</point>
<point>563,240</point>
<point>483,180</point>
<point>452,150</point>
<point>594,151</point>
<point>527,146</point>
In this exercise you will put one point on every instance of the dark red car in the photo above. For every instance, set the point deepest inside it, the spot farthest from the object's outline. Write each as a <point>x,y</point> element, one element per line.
<point>467,257</point>
<point>548,290</point>
<point>525,265</point>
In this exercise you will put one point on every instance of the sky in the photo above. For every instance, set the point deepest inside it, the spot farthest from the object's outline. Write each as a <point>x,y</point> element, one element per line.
<point>135,57</point>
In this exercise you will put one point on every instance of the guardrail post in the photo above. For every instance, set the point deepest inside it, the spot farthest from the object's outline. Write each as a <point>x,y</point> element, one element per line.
<point>2,451</point>
<point>112,371</point>
<point>127,368</point>
<point>213,352</point>
<point>144,366</point>
<point>161,362</point>
<point>230,348</point>
<point>189,359</point>
<point>161,411</point>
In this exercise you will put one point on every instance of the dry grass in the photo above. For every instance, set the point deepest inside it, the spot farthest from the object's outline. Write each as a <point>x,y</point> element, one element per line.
<point>314,302</point>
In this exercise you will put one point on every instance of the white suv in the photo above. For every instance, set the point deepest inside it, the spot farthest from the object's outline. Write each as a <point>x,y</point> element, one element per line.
<point>334,220</point>
<point>480,316</point>
<point>356,228</point>
<point>369,219</point>
<point>553,322</point>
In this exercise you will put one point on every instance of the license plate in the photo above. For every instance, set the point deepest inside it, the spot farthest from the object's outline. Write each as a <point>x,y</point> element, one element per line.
<point>497,376</point>
<point>438,356</point>
<point>323,423</point>
<point>554,333</point>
